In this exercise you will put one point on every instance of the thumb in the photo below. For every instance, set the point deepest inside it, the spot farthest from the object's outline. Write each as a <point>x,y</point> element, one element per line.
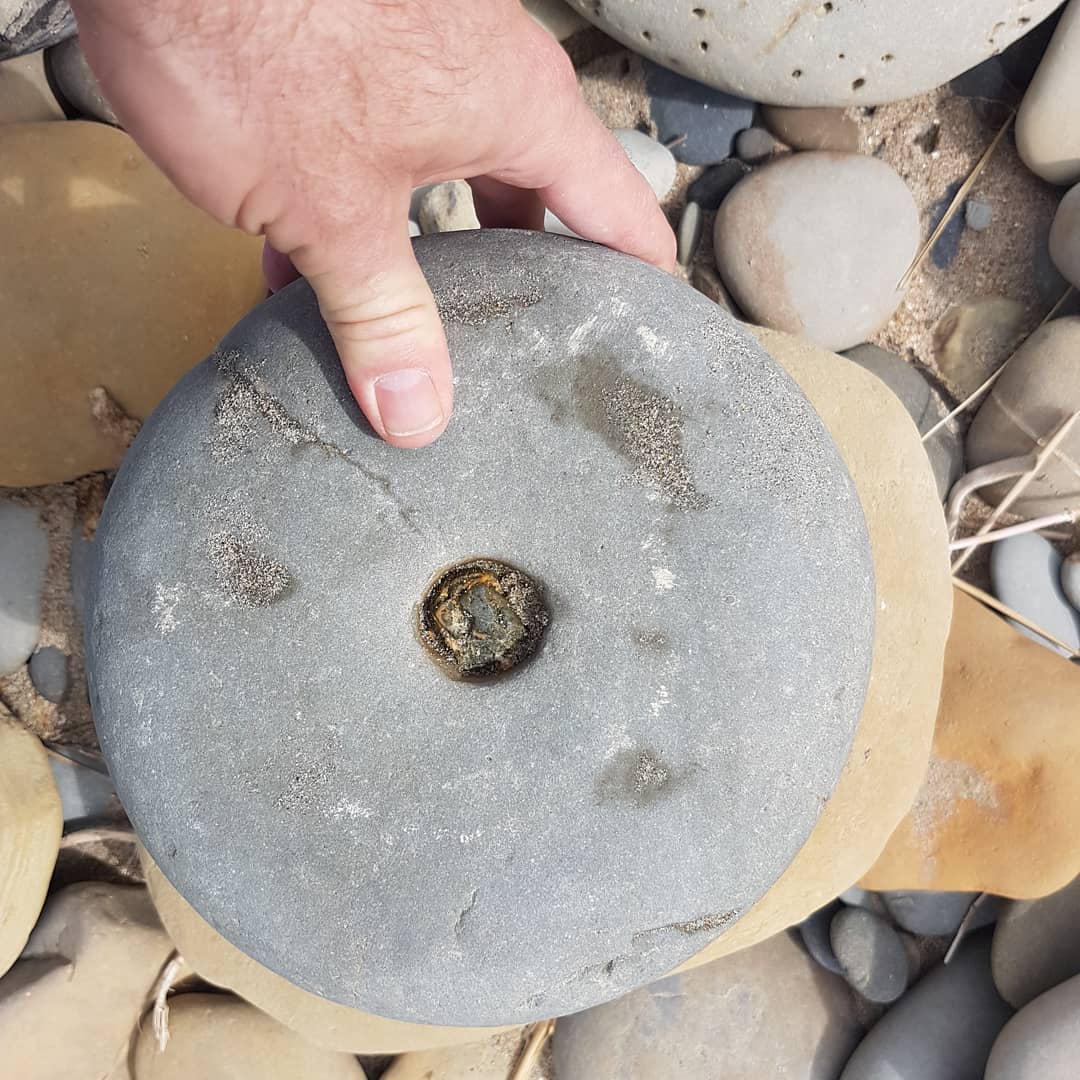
<point>388,334</point>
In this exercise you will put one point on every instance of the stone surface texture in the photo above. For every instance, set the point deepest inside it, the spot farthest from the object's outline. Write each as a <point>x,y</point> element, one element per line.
<point>25,96</point>
<point>813,129</point>
<point>888,758</point>
<point>871,954</point>
<point>24,554</point>
<point>1042,1040</point>
<point>972,340</point>
<point>1048,124</point>
<point>447,207</point>
<point>814,244</point>
<point>661,420</point>
<point>928,913</point>
<point>218,1037</point>
<point>491,1059</point>
<point>26,26</point>
<point>1037,945</point>
<point>1065,232</point>
<point>146,282</point>
<point>30,825</point>
<point>1038,390</point>
<point>48,669</point>
<point>999,803</point>
<point>766,1011</point>
<point>942,1029</point>
<point>791,52</point>
<point>76,85</point>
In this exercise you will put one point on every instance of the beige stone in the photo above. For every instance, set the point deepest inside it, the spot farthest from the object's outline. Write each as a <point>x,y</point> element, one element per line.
<point>880,444</point>
<point>31,820</point>
<point>109,278</point>
<point>972,340</point>
<point>324,1023</point>
<point>71,1006</point>
<point>489,1060</point>
<point>25,96</point>
<point>1039,388</point>
<point>999,805</point>
<point>1048,123</point>
<point>447,207</point>
<point>813,129</point>
<point>1065,235</point>
<point>220,1037</point>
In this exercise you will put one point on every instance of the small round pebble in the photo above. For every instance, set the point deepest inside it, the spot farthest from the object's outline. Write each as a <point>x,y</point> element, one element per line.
<point>755,144</point>
<point>871,954</point>
<point>1070,579</point>
<point>49,673</point>
<point>978,214</point>
<point>690,226</point>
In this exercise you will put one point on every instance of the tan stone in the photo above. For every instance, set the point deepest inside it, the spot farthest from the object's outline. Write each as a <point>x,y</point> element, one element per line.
<point>25,96</point>
<point>109,278</point>
<point>324,1023</point>
<point>999,806</point>
<point>813,129</point>
<point>880,444</point>
<point>220,1037</point>
<point>1065,237</point>
<point>31,820</point>
<point>972,340</point>
<point>71,1006</point>
<point>489,1060</point>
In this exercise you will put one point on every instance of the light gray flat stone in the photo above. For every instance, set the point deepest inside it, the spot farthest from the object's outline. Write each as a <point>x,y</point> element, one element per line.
<point>24,554</point>
<point>1070,579</point>
<point>85,795</point>
<point>335,805</point>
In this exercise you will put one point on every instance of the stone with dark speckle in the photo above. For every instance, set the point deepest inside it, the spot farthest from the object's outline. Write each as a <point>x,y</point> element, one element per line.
<point>870,953</point>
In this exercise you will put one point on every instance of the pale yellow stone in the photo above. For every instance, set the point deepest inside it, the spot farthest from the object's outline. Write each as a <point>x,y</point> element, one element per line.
<point>323,1023</point>
<point>881,447</point>
<point>999,808</point>
<point>109,277</point>
<point>31,821</point>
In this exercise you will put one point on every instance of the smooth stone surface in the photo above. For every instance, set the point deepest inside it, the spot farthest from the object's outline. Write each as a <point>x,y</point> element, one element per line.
<point>447,207</point>
<point>1039,388</point>
<point>972,340</point>
<point>934,914</point>
<point>27,26</point>
<point>814,934</point>
<point>755,145</point>
<point>87,971</point>
<point>925,405</point>
<point>85,795</point>
<point>25,96</point>
<point>711,188</point>
<point>1065,235</point>
<point>998,807</point>
<point>790,52</point>
<point>1070,579</point>
<point>814,244</point>
<point>30,825</point>
<point>1025,573</point>
<point>218,1037</point>
<point>885,768</point>
<point>1037,945</point>
<point>765,1011</point>
<point>942,1029</point>
<point>556,17</point>
<point>978,215</point>
<point>707,281</point>
<point>76,85</point>
<point>705,119</point>
<point>813,129</point>
<point>24,555</point>
<point>321,1022</point>
<point>870,953</point>
<point>433,931</point>
<point>1048,124</point>
<point>492,1059</point>
<point>150,284</point>
<point>49,672</point>
<point>1042,1040</point>
<point>689,232</point>
<point>863,898</point>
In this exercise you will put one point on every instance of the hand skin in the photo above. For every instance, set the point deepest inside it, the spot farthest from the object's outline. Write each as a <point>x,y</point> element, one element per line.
<point>310,121</point>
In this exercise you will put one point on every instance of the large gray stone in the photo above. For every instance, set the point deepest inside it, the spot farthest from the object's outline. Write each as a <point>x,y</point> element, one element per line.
<point>767,1011</point>
<point>1042,1041</point>
<point>794,52</point>
<point>486,853</point>
<point>941,1029</point>
<point>24,554</point>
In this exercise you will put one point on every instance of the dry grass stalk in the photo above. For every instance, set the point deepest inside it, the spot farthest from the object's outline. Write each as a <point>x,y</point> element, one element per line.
<point>95,836</point>
<point>538,1036</point>
<point>1008,612</point>
<point>170,976</point>
<point>1034,525</point>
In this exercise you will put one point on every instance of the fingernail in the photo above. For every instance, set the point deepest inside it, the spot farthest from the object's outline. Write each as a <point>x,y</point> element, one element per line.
<point>408,403</point>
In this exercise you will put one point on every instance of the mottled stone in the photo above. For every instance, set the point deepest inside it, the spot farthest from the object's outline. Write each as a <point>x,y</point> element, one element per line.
<point>930,913</point>
<point>25,96</point>
<point>24,554</point>
<point>27,26</point>
<point>1039,388</point>
<point>148,283</point>
<point>689,233</point>
<point>815,243</point>
<point>755,145</point>
<point>1048,123</point>
<point>447,207</point>
<point>1037,945</point>
<point>942,1029</point>
<point>76,85</point>
<point>666,417</point>
<point>765,1011</point>
<point>870,953</point>
<point>1065,233</point>
<point>49,672</point>
<point>791,52</point>
<point>972,340</point>
<point>1041,1041</point>
<point>813,129</point>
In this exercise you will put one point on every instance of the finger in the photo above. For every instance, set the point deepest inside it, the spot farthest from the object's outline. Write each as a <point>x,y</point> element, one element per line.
<point>277,268</point>
<point>503,206</point>
<point>384,322</point>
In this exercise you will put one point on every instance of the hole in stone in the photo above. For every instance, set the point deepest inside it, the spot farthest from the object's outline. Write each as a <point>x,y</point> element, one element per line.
<point>703,46</point>
<point>1023,20</point>
<point>797,73</point>
<point>840,56</point>
<point>647,35</point>
<point>858,84</point>
<point>825,8</point>
<point>700,12</point>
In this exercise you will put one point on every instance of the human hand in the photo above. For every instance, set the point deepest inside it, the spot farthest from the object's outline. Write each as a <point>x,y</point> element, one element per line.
<point>310,121</point>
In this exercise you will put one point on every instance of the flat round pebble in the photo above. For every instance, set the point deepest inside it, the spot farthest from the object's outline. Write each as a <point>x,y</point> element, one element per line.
<point>689,232</point>
<point>814,934</point>
<point>815,244</point>
<point>1070,579</point>
<point>1065,236</point>
<point>978,215</point>
<point>1042,1042</point>
<point>49,672</point>
<point>569,415</point>
<point>755,145</point>
<point>789,52</point>
<point>24,554</point>
<point>927,912</point>
<point>76,85</point>
<point>870,953</point>
<point>813,129</point>
<point>1025,573</point>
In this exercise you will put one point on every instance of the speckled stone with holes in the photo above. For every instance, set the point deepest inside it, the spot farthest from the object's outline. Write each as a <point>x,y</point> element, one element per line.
<point>632,487</point>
